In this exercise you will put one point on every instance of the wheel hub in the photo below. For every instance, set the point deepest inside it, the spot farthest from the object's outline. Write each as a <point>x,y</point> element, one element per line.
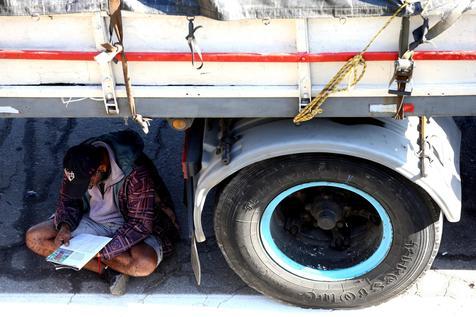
<point>326,231</point>
<point>327,213</point>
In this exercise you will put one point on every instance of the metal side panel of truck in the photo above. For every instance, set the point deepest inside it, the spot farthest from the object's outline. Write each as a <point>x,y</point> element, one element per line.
<point>342,211</point>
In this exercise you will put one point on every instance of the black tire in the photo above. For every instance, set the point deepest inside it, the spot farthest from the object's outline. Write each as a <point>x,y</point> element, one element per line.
<point>415,224</point>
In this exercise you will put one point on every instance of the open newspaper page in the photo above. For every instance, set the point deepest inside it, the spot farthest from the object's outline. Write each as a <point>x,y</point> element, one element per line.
<point>80,250</point>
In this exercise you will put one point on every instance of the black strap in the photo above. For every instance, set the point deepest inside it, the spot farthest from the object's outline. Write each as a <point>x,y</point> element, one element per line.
<point>419,34</point>
<point>403,48</point>
<point>404,32</point>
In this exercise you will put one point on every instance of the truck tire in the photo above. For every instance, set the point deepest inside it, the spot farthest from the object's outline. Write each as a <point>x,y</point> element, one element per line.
<point>326,231</point>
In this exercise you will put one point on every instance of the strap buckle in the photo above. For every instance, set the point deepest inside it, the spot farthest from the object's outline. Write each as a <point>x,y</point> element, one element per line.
<point>401,83</point>
<point>109,54</point>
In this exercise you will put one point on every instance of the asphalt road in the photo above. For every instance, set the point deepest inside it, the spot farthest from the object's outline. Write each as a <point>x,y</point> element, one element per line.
<point>30,161</point>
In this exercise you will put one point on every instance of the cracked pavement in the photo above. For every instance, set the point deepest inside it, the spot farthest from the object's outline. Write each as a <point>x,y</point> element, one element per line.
<point>30,175</point>
<point>32,151</point>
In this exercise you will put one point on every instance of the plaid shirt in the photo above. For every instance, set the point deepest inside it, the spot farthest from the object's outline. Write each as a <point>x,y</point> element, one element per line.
<point>144,211</point>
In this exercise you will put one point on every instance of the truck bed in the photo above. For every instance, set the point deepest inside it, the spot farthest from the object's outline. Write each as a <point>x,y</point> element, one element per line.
<point>252,68</point>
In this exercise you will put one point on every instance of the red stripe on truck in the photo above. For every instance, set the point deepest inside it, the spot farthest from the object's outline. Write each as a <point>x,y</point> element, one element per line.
<point>235,57</point>
<point>48,55</point>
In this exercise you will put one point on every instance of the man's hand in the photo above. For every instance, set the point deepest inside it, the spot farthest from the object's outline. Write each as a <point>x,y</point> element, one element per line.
<point>63,236</point>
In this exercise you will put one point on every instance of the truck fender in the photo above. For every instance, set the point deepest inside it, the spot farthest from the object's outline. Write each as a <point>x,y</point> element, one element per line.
<point>393,144</point>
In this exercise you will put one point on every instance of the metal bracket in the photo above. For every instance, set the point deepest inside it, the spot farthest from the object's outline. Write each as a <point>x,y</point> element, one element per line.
<point>195,260</point>
<point>104,60</point>
<point>190,184</point>
<point>226,141</point>
<point>304,67</point>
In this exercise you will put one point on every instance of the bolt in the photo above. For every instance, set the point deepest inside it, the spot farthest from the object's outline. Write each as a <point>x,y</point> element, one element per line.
<point>294,230</point>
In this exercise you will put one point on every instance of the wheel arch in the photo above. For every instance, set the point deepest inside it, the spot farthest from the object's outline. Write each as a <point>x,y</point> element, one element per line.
<point>389,143</point>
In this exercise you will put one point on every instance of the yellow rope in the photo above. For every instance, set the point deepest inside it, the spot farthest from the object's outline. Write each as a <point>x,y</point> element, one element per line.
<point>351,66</point>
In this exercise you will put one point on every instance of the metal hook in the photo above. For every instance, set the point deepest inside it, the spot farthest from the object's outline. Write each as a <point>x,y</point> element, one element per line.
<point>192,42</point>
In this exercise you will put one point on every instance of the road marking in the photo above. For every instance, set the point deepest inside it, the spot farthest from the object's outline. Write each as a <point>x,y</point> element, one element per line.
<point>441,291</point>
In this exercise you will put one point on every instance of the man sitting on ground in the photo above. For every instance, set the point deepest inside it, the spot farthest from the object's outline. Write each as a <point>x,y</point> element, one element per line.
<point>111,188</point>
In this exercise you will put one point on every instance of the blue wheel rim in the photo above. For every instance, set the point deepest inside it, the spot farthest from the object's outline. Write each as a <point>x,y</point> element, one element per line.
<point>333,274</point>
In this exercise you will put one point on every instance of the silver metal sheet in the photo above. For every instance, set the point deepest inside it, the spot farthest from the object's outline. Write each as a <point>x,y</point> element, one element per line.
<point>441,106</point>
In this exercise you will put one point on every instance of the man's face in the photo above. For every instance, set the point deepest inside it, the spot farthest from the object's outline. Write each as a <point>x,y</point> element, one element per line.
<point>97,177</point>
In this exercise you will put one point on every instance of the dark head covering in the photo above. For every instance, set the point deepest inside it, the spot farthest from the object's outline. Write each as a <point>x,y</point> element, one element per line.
<point>80,163</point>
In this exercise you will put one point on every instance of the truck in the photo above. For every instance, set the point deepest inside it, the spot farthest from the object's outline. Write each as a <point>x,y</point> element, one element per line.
<point>324,128</point>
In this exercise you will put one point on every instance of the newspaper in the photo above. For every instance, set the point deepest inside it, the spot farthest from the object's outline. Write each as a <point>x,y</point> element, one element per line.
<point>80,250</point>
